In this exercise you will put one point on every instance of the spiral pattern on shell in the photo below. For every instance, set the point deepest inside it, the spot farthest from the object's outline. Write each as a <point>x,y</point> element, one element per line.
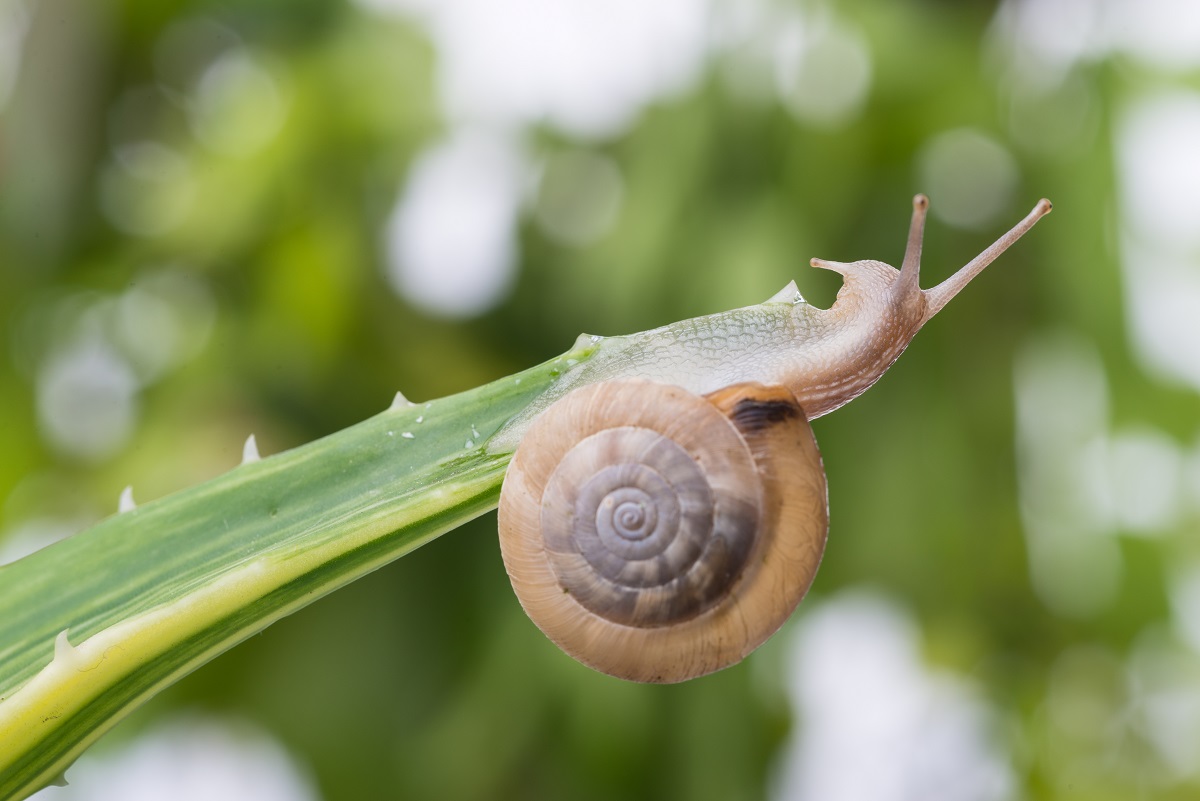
<point>657,535</point>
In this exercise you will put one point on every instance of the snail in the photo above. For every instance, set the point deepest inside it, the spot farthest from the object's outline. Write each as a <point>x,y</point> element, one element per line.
<point>660,530</point>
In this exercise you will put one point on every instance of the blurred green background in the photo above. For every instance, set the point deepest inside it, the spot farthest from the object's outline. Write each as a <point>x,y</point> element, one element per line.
<point>220,217</point>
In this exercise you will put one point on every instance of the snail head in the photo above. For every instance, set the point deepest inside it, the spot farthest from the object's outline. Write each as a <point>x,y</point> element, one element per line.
<point>894,297</point>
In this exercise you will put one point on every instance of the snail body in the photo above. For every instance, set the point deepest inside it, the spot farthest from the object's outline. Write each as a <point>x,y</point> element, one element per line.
<point>826,357</point>
<point>659,530</point>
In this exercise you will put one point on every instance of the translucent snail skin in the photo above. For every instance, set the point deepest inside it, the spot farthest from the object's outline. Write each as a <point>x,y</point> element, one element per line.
<point>666,507</point>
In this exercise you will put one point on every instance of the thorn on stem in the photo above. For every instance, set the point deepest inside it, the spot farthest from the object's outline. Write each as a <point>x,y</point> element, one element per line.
<point>400,402</point>
<point>250,450</point>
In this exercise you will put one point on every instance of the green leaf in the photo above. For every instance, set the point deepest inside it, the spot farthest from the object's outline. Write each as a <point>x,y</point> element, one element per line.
<point>98,623</point>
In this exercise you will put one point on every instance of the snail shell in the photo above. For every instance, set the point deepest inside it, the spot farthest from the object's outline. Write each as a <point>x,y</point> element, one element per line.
<point>657,535</point>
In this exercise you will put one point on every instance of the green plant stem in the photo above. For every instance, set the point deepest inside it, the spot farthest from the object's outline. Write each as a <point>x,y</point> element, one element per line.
<point>148,595</point>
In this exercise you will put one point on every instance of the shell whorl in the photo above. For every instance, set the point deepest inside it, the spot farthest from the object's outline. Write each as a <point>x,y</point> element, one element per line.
<point>657,535</point>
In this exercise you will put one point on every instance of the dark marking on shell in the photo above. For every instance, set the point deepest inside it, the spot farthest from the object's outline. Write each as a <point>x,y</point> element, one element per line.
<point>753,416</point>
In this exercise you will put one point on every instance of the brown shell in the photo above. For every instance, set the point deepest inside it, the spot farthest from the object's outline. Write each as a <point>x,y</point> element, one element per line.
<point>656,535</point>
